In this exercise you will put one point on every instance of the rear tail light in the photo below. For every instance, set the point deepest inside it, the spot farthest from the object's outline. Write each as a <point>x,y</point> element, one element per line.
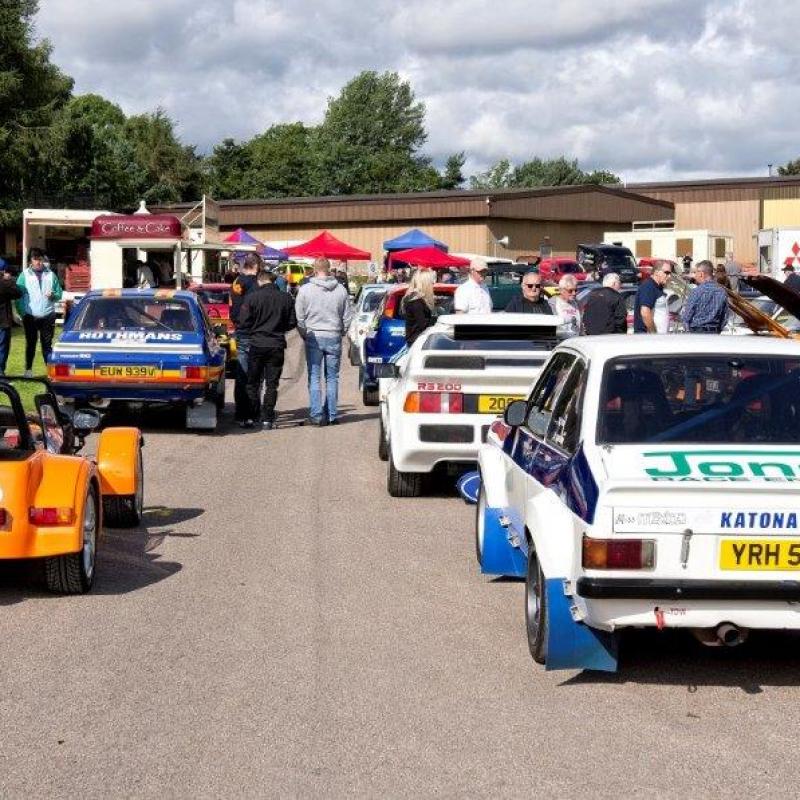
<point>60,370</point>
<point>193,373</point>
<point>50,516</point>
<point>618,553</point>
<point>434,403</point>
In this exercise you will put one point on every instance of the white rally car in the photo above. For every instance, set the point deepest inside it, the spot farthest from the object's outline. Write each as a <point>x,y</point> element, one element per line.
<point>648,481</point>
<point>438,401</point>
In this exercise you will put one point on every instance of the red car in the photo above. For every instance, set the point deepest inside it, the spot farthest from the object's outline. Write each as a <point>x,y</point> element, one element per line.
<point>216,299</point>
<point>553,269</point>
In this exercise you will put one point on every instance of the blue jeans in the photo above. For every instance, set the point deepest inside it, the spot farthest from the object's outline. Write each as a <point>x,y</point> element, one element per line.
<point>323,355</point>
<point>240,398</point>
<point>5,348</point>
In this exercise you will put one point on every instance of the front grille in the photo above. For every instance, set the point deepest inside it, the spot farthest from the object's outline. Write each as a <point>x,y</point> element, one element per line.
<point>443,434</point>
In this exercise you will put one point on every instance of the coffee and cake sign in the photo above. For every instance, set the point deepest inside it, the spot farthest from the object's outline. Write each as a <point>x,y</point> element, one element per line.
<point>152,226</point>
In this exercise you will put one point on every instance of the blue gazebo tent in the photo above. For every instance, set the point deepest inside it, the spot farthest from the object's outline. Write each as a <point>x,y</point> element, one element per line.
<point>411,239</point>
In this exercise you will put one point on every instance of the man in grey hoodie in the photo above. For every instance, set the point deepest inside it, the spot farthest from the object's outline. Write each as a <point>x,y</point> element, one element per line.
<point>324,312</point>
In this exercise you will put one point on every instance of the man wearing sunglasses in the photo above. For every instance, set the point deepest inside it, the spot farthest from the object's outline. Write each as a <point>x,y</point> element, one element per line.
<point>530,300</point>
<point>650,314</point>
<point>564,305</point>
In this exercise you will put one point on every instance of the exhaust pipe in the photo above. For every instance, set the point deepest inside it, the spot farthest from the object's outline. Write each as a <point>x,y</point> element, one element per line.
<point>730,635</point>
<point>725,634</point>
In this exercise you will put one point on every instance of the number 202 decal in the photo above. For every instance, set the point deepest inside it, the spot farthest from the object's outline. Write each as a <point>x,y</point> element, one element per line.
<point>425,386</point>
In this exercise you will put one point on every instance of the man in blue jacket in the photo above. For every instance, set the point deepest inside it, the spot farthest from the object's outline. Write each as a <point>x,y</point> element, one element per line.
<point>40,292</point>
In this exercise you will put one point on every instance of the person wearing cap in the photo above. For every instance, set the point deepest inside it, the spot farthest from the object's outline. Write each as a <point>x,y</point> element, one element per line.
<point>8,291</point>
<point>39,292</point>
<point>791,278</point>
<point>472,296</point>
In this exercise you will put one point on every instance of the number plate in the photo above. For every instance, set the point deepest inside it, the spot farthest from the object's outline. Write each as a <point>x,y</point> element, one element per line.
<point>495,403</point>
<point>127,372</point>
<point>759,554</point>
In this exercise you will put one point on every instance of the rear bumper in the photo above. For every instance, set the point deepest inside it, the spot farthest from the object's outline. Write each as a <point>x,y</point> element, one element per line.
<point>425,443</point>
<point>39,542</point>
<point>641,589</point>
<point>161,393</point>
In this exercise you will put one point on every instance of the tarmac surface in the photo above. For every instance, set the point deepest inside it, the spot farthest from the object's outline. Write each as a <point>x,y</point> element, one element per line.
<point>279,626</point>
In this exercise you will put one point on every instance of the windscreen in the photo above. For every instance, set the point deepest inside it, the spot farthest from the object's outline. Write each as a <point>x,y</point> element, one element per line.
<point>214,297</point>
<point>618,259</point>
<point>714,399</point>
<point>372,301</point>
<point>135,314</point>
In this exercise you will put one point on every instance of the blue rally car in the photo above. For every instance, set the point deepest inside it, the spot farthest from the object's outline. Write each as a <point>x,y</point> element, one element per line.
<point>388,334</point>
<point>141,345</point>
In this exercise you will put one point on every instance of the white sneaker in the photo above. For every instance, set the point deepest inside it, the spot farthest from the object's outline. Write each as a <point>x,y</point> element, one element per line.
<point>28,373</point>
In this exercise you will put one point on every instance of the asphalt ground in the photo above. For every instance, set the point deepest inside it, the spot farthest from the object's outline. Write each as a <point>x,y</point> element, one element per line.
<point>280,627</point>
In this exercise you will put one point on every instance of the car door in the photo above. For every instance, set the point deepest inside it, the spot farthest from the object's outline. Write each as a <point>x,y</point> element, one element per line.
<point>525,466</point>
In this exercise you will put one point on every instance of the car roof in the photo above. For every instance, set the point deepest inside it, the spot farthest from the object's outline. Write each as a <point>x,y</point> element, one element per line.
<point>602,348</point>
<point>158,294</point>
<point>499,319</point>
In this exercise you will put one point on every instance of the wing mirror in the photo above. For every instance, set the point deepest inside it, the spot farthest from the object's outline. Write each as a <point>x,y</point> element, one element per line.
<point>386,370</point>
<point>514,415</point>
<point>86,420</point>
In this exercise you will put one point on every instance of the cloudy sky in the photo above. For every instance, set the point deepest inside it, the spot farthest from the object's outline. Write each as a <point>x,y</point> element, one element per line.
<point>650,89</point>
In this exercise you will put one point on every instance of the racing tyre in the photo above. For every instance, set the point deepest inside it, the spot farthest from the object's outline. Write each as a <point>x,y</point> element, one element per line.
<point>73,573</point>
<point>355,357</point>
<point>402,484</point>
<point>383,445</point>
<point>480,524</point>
<point>536,620</point>
<point>369,396</point>
<point>126,510</point>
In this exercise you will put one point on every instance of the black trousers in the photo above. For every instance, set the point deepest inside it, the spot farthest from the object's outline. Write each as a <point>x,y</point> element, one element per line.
<point>41,328</point>
<point>265,364</point>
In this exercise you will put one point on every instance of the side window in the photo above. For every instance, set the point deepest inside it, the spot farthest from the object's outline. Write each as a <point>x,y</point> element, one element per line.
<point>546,392</point>
<point>565,423</point>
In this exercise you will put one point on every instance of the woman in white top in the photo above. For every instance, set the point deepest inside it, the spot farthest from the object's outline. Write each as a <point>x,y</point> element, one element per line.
<point>564,305</point>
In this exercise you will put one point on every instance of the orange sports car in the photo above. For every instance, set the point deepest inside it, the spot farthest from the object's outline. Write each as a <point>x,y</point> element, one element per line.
<point>53,502</point>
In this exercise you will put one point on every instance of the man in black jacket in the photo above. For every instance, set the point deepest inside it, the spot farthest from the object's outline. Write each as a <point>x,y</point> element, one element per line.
<point>266,316</point>
<point>605,310</point>
<point>242,286</point>
<point>531,299</point>
<point>8,291</point>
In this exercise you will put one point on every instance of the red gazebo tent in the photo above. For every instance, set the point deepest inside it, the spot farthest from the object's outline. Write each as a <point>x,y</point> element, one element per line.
<point>431,257</point>
<point>326,245</point>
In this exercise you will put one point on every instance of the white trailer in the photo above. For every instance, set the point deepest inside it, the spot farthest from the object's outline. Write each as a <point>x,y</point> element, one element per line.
<point>778,247</point>
<point>653,242</point>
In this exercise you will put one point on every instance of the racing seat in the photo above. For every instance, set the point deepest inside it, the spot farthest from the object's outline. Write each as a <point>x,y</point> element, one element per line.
<point>635,407</point>
<point>757,411</point>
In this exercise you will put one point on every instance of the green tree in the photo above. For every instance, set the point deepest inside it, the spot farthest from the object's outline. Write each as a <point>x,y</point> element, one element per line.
<point>790,168</point>
<point>226,170</point>
<point>453,175</point>
<point>170,171</point>
<point>31,91</point>
<point>281,162</point>
<point>539,172</point>
<point>370,138</point>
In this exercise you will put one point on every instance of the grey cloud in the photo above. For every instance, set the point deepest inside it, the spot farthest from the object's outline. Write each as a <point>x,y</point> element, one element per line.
<point>650,89</point>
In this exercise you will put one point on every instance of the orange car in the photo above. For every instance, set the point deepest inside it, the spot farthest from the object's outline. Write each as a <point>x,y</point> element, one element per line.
<point>53,502</point>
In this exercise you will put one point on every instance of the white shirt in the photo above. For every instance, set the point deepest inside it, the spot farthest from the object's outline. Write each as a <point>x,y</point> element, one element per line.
<point>661,315</point>
<point>472,298</point>
<point>568,312</point>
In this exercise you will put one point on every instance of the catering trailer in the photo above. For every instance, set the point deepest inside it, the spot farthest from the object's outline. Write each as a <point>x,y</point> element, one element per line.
<point>672,244</point>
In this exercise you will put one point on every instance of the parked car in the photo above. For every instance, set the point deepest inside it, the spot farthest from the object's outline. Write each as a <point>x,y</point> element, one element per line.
<point>56,501</point>
<point>365,306</point>
<point>597,260</point>
<point>438,401</point>
<point>216,300</point>
<point>387,334</point>
<point>553,269</point>
<point>154,346</point>
<point>647,482</point>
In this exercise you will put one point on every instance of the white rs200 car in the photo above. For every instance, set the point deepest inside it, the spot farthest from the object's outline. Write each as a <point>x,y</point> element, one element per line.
<point>648,481</point>
<point>439,399</point>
